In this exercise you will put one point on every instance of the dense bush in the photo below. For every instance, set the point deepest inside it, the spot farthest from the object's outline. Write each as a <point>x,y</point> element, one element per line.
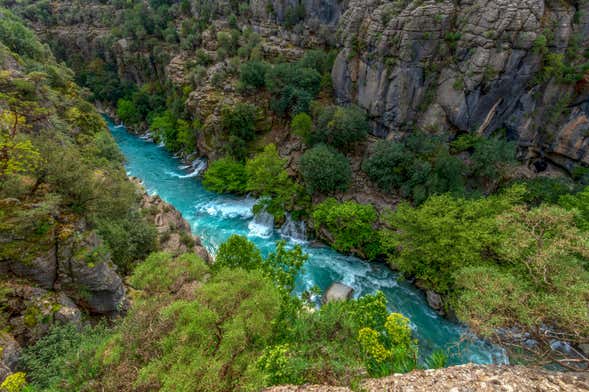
<point>301,125</point>
<point>252,75</point>
<point>129,238</point>
<point>340,127</point>
<point>542,258</point>
<point>176,133</point>
<point>351,225</point>
<point>445,234</point>
<point>239,122</point>
<point>325,170</point>
<point>225,176</point>
<point>418,167</point>
<point>293,88</point>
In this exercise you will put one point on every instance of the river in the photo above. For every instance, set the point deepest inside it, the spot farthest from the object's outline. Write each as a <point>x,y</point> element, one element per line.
<point>215,217</point>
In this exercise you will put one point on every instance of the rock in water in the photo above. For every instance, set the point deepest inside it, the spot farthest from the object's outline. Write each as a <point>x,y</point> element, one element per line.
<point>337,292</point>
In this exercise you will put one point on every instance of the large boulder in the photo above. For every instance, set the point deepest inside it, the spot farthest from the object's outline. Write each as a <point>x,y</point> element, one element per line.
<point>337,292</point>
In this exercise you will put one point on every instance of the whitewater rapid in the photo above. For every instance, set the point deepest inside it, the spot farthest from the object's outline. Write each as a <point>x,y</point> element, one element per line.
<point>215,217</point>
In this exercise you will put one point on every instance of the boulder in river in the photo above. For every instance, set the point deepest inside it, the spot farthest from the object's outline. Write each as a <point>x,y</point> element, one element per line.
<point>337,292</point>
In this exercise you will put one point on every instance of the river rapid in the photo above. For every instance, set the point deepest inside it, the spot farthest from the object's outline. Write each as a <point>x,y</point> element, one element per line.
<point>215,217</point>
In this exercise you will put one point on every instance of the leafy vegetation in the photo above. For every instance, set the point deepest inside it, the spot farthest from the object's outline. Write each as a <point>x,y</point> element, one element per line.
<point>423,165</point>
<point>351,225</point>
<point>225,175</point>
<point>340,127</point>
<point>325,170</point>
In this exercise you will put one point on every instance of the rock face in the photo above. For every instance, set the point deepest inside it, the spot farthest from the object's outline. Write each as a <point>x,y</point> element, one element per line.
<point>74,261</point>
<point>337,292</point>
<point>470,66</point>
<point>174,233</point>
<point>465,378</point>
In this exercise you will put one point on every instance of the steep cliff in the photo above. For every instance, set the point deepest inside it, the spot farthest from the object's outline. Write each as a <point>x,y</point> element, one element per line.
<point>471,66</point>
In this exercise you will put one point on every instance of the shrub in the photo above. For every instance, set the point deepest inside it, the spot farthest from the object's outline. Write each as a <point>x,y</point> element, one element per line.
<point>293,87</point>
<point>388,165</point>
<point>301,125</point>
<point>445,234</point>
<point>341,127</point>
<point>239,122</point>
<point>252,75</point>
<point>238,252</point>
<point>162,272</point>
<point>325,170</point>
<point>351,225</point>
<point>225,176</point>
<point>129,238</point>
<point>266,174</point>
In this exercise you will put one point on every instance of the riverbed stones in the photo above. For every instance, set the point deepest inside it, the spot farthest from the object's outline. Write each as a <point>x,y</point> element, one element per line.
<point>337,292</point>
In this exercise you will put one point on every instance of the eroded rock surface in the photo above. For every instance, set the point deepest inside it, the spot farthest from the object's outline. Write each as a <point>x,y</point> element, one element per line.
<point>465,378</point>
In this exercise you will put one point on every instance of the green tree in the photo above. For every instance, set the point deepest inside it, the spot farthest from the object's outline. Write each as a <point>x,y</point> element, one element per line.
<point>252,75</point>
<point>341,127</point>
<point>225,176</point>
<point>325,170</point>
<point>445,234</point>
<point>266,174</point>
<point>351,225</point>
<point>543,264</point>
<point>301,125</point>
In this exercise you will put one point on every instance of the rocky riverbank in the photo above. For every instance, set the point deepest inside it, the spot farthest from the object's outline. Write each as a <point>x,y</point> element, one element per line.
<point>465,378</point>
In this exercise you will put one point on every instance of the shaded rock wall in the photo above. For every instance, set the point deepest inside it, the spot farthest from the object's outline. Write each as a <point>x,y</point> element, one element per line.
<point>469,66</point>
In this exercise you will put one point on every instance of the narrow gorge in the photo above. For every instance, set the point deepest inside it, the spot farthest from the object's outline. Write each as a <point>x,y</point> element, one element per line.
<point>313,195</point>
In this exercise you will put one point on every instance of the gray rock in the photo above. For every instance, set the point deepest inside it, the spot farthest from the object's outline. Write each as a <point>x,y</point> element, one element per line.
<point>9,354</point>
<point>337,292</point>
<point>42,270</point>
<point>434,300</point>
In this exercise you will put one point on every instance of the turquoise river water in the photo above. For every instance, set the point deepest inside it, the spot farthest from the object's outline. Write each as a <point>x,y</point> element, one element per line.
<point>215,217</point>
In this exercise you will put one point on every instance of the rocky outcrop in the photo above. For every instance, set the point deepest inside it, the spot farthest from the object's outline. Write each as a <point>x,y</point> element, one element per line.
<point>9,353</point>
<point>469,377</point>
<point>174,232</point>
<point>471,66</point>
<point>30,311</point>
<point>337,292</point>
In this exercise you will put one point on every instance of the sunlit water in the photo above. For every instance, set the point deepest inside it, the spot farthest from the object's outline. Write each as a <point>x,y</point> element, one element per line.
<point>215,217</point>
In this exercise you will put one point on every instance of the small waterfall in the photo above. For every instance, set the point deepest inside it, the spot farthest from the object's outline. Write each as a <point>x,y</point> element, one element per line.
<point>262,225</point>
<point>295,231</point>
<point>198,166</point>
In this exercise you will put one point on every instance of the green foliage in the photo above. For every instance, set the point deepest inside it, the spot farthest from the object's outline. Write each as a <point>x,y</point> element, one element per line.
<point>161,272</point>
<point>301,125</point>
<point>340,127</point>
<point>391,349</point>
<point>19,39</point>
<point>422,165</point>
<point>579,203</point>
<point>318,60</point>
<point>129,238</point>
<point>266,172</point>
<point>222,330</point>
<point>325,170</point>
<point>281,266</point>
<point>63,357</point>
<point>266,176</point>
<point>252,75</point>
<point>238,252</point>
<point>293,88</point>
<point>350,224</point>
<point>543,258</point>
<point>239,122</point>
<point>127,111</point>
<point>176,133</point>
<point>225,176</point>
<point>545,189</point>
<point>445,234</point>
